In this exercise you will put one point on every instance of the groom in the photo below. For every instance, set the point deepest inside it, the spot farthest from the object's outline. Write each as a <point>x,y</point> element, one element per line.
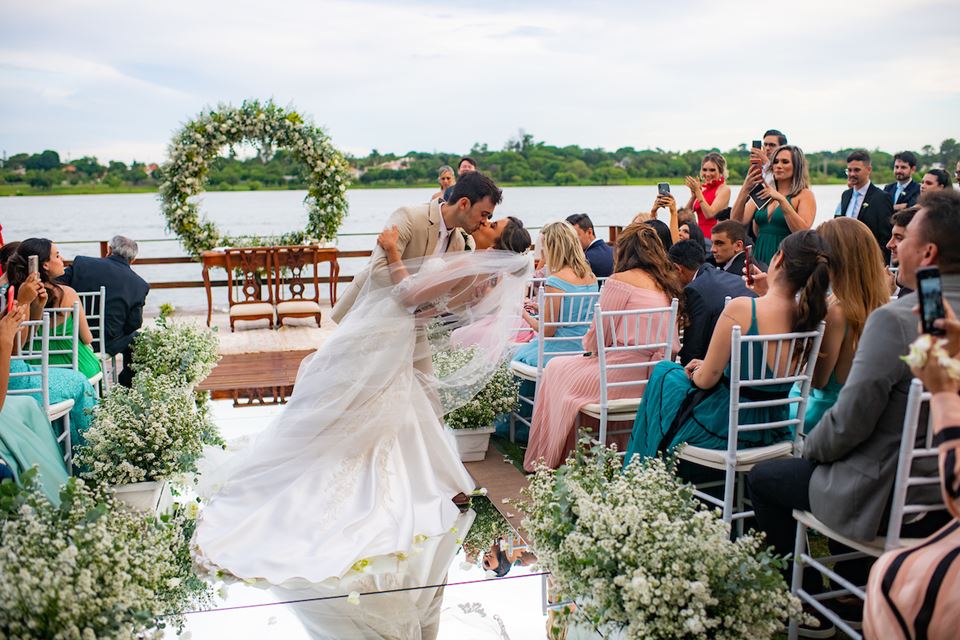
<point>427,230</point>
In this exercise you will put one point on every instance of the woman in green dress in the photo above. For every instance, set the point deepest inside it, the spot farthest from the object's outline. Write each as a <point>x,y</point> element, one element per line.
<point>50,263</point>
<point>692,404</point>
<point>859,282</point>
<point>790,204</point>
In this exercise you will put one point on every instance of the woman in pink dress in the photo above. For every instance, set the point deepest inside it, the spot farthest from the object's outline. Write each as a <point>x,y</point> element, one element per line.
<point>643,278</point>
<point>709,195</point>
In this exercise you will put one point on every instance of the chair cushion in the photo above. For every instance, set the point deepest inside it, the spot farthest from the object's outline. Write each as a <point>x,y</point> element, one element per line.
<point>525,371</point>
<point>251,309</point>
<point>298,306</point>
<point>746,458</point>
<point>60,409</point>
<point>617,410</point>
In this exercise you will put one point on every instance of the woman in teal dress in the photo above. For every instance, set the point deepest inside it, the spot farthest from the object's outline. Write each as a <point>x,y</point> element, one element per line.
<point>859,283</point>
<point>790,207</point>
<point>692,404</point>
<point>50,264</point>
<point>569,273</point>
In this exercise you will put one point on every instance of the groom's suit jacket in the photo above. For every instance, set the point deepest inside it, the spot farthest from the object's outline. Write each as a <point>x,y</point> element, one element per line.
<point>419,231</point>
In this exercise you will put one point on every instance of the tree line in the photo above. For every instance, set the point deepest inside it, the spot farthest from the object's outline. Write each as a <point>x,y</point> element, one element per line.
<point>521,161</point>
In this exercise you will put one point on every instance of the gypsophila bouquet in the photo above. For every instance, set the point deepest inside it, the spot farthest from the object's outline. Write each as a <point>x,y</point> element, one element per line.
<point>149,432</point>
<point>90,568</point>
<point>643,557</point>
<point>186,351</point>
<point>487,528</point>
<point>498,395</point>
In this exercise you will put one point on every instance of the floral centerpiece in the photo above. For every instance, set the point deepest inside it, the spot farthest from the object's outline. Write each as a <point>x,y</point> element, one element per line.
<point>643,558</point>
<point>89,568</point>
<point>188,352</point>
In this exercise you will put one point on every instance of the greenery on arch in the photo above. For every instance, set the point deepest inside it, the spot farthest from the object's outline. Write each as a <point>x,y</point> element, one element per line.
<point>268,127</point>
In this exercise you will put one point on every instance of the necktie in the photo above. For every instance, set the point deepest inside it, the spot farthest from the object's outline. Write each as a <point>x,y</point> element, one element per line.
<point>899,191</point>
<point>852,210</point>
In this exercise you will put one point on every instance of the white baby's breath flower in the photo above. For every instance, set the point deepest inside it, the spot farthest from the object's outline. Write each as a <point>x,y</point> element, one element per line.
<point>354,598</point>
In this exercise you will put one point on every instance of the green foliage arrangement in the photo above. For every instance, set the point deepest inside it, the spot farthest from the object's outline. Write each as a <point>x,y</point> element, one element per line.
<point>269,126</point>
<point>187,352</point>
<point>90,567</point>
<point>644,558</point>
<point>498,396</point>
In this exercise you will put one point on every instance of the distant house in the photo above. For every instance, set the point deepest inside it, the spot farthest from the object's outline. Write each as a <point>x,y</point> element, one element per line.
<point>355,173</point>
<point>69,169</point>
<point>20,171</point>
<point>396,165</point>
<point>153,166</point>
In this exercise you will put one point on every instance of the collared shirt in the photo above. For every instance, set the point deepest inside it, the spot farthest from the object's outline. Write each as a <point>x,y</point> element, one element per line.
<point>900,189</point>
<point>729,263</point>
<point>443,240</point>
<point>595,241</point>
<point>856,201</point>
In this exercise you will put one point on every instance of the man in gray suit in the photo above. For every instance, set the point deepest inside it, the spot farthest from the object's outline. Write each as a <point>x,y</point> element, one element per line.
<point>426,230</point>
<point>849,460</point>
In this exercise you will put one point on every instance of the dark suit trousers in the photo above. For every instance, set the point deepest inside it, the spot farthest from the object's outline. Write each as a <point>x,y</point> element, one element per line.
<point>125,377</point>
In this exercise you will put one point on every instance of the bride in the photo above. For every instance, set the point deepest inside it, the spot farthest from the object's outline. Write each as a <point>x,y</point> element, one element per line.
<point>358,469</point>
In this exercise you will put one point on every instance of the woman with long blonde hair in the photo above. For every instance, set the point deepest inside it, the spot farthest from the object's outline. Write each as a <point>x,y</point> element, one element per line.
<point>859,285</point>
<point>569,273</point>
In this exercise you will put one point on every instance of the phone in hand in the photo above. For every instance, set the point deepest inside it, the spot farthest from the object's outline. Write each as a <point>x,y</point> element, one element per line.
<point>756,144</point>
<point>33,264</point>
<point>930,293</point>
<point>663,188</point>
<point>10,292</point>
<point>747,254</point>
<point>756,194</point>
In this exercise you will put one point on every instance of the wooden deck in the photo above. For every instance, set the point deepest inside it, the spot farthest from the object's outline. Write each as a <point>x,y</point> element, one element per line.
<point>265,377</point>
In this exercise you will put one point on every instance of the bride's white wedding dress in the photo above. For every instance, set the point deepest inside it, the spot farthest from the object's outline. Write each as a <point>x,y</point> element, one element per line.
<point>358,468</point>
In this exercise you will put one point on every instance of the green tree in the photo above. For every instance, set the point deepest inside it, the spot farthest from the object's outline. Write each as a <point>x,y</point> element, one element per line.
<point>43,161</point>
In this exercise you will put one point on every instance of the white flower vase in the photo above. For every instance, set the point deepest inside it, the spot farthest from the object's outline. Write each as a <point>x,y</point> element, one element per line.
<point>146,496</point>
<point>472,444</point>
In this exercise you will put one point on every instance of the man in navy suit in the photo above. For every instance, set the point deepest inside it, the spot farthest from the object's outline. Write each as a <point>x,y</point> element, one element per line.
<point>905,191</point>
<point>126,295</point>
<point>866,202</point>
<point>599,253</point>
<point>706,289</point>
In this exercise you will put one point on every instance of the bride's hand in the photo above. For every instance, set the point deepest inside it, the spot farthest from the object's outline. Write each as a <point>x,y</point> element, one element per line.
<point>388,239</point>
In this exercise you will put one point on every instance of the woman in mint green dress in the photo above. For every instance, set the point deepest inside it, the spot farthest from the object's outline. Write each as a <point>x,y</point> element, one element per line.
<point>860,285</point>
<point>692,404</point>
<point>790,205</point>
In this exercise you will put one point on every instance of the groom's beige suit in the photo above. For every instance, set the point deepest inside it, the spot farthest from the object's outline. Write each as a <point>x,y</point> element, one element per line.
<point>419,230</point>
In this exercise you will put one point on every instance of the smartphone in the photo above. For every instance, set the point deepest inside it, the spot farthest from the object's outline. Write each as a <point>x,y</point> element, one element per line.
<point>756,195</point>
<point>747,251</point>
<point>930,293</point>
<point>756,144</point>
<point>10,291</point>
<point>663,188</point>
<point>33,264</point>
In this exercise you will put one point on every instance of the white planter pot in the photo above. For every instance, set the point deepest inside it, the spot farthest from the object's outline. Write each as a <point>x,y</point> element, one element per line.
<point>472,443</point>
<point>146,496</point>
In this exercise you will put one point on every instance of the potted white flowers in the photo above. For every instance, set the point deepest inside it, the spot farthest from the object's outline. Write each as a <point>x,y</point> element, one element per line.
<point>184,351</point>
<point>472,423</point>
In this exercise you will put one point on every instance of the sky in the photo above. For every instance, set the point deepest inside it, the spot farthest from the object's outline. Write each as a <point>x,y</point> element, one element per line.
<point>116,79</point>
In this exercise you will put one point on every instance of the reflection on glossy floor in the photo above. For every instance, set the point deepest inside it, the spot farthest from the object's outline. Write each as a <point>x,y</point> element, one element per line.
<point>460,585</point>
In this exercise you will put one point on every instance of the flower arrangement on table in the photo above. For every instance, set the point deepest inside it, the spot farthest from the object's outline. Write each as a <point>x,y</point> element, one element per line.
<point>89,568</point>
<point>642,557</point>
<point>498,396</point>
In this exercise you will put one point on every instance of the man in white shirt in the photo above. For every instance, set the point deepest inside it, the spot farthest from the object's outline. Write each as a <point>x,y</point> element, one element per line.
<point>866,202</point>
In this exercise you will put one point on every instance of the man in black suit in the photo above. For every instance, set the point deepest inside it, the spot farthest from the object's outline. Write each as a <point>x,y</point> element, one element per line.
<point>599,253</point>
<point>705,291</point>
<point>900,221</point>
<point>728,248</point>
<point>905,191</point>
<point>126,295</point>
<point>865,201</point>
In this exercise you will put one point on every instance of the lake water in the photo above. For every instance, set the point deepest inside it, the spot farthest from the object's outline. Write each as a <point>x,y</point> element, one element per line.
<point>69,219</point>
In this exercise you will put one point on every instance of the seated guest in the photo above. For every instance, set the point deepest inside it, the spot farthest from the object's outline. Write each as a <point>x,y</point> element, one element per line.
<point>599,254</point>
<point>846,474</point>
<point>58,296</point>
<point>643,279</point>
<point>705,291</point>
<point>898,578</point>
<point>899,220</point>
<point>692,404</point>
<point>126,295</point>
<point>665,201</point>
<point>728,248</point>
<point>859,285</point>
<point>690,231</point>
<point>26,437</point>
<point>6,252</point>
<point>569,273</point>
<point>663,232</point>
<point>935,180</point>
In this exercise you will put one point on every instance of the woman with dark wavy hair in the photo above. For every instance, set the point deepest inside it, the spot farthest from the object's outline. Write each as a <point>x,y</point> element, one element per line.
<point>643,278</point>
<point>692,404</point>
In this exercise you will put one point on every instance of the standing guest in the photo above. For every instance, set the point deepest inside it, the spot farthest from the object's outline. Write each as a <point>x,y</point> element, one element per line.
<point>465,166</point>
<point>709,195</point>
<point>771,141</point>
<point>859,286</point>
<point>705,290</point>
<point>935,180</point>
<point>569,273</point>
<point>691,404</point>
<point>791,207</point>
<point>58,296</point>
<point>904,191</point>
<point>126,296</point>
<point>866,202</point>
<point>899,220</point>
<point>728,248</point>
<point>599,253</point>
<point>446,180</point>
<point>849,461</point>
<point>643,279</point>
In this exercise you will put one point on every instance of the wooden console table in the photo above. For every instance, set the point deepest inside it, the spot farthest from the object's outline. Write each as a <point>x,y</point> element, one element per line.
<point>218,259</point>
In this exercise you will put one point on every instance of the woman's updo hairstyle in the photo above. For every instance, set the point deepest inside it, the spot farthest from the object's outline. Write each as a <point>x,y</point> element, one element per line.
<point>514,237</point>
<point>806,267</point>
